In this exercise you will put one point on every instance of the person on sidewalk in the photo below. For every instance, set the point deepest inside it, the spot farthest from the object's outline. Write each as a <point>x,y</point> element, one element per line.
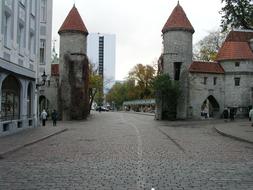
<point>43,116</point>
<point>54,117</point>
<point>232,114</point>
<point>225,114</point>
<point>251,116</point>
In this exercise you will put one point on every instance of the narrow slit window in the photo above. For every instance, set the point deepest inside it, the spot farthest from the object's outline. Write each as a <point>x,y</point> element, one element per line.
<point>177,69</point>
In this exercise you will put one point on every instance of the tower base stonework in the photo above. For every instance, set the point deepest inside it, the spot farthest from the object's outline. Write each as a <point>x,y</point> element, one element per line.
<point>73,92</point>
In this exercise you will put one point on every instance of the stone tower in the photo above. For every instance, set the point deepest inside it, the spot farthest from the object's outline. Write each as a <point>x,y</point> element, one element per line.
<point>177,54</point>
<point>73,68</point>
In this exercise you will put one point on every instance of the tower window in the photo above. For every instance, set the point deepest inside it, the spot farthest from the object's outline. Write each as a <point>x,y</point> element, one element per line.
<point>214,80</point>
<point>205,80</point>
<point>237,64</point>
<point>237,81</point>
<point>177,68</point>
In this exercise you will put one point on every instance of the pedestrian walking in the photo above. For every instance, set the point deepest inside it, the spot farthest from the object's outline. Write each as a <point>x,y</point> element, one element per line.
<point>225,114</point>
<point>54,117</point>
<point>43,116</point>
<point>232,114</point>
<point>251,116</point>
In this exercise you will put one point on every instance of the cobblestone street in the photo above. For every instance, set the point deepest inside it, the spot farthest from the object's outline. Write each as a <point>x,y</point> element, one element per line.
<point>127,151</point>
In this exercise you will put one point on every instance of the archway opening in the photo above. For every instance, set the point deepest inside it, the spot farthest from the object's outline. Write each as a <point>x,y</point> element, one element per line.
<point>210,107</point>
<point>29,101</point>
<point>10,98</point>
<point>43,103</point>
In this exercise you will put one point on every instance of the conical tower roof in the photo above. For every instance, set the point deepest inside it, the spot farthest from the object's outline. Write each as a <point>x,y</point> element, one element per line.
<point>178,21</point>
<point>73,22</point>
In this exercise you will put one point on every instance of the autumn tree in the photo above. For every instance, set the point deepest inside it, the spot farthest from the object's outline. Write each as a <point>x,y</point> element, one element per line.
<point>237,14</point>
<point>207,48</point>
<point>143,75</point>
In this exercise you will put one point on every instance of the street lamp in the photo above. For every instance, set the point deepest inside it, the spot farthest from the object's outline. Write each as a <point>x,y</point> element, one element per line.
<point>44,78</point>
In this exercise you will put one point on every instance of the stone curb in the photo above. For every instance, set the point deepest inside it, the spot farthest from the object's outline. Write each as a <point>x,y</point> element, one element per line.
<point>140,113</point>
<point>232,136</point>
<point>2,155</point>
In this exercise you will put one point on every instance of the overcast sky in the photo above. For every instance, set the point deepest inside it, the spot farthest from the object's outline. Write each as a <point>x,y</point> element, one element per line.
<point>137,24</point>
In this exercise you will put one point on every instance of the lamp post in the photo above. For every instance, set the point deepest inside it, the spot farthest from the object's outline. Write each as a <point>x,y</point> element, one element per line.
<point>44,78</point>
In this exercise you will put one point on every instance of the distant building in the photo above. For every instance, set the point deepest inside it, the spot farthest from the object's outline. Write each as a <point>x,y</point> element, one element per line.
<point>101,52</point>
<point>24,25</point>
<point>207,87</point>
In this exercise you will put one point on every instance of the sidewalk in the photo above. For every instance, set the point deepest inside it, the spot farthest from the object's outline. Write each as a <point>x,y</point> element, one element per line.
<point>140,113</point>
<point>240,130</point>
<point>27,137</point>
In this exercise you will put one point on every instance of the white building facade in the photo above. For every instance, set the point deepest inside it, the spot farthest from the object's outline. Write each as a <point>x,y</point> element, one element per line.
<point>101,51</point>
<point>20,37</point>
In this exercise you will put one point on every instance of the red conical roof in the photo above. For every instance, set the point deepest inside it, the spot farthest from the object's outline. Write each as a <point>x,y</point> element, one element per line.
<point>178,21</point>
<point>73,22</point>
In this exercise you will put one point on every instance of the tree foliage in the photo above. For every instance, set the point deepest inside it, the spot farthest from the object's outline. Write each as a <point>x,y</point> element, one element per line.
<point>119,93</point>
<point>143,75</point>
<point>167,92</point>
<point>95,88</point>
<point>207,48</point>
<point>237,14</point>
<point>139,85</point>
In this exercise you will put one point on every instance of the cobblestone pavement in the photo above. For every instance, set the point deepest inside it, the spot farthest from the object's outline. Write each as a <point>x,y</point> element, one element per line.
<point>127,151</point>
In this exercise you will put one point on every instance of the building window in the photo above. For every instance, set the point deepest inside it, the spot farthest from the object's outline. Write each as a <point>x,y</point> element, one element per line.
<point>237,64</point>
<point>32,43</point>
<point>7,29</point>
<point>33,7</point>
<point>29,101</point>
<point>42,51</point>
<point>43,11</point>
<point>177,69</point>
<point>214,80</point>
<point>10,99</point>
<point>8,3</point>
<point>20,36</point>
<point>21,13</point>
<point>32,22</point>
<point>22,2</point>
<point>237,81</point>
<point>205,80</point>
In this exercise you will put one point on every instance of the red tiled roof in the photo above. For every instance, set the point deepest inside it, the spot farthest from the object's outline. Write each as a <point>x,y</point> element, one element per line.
<point>73,22</point>
<point>55,69</point>
<point>206,67</point>
<point>178,21</point>
<point>236,46</point>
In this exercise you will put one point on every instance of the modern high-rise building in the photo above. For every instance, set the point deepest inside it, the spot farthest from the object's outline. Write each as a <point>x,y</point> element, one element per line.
<point>25,51</point>
<point>101,49</point>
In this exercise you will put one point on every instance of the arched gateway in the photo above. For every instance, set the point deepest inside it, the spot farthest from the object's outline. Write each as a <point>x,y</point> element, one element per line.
<point>211,107</point>
<point>11,90</point>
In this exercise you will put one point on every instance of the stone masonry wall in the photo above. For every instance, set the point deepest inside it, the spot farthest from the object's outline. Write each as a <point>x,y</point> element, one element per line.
<point>73,76</point>
<point>199,92</point>
<point>178,48</point>
<point>238,96</point>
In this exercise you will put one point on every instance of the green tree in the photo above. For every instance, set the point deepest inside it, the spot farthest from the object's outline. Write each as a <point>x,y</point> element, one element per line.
<point>167,91</point>
<point>118,94</point>
<point>207,48</point>
<point>95,87</point>
<point>237,14</point>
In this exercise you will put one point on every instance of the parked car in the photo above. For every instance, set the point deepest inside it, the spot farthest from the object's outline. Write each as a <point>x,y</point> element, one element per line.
<point>101,108</point>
